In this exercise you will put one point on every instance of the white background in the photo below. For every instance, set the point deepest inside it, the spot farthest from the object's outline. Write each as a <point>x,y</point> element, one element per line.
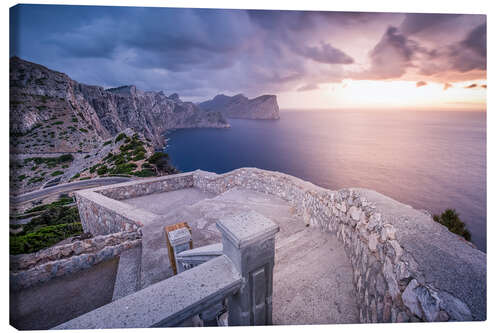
<point>420,6</point>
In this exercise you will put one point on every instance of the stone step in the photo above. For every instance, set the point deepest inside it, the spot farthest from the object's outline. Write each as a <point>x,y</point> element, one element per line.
<point>128,273</point>
<point>313,281</point>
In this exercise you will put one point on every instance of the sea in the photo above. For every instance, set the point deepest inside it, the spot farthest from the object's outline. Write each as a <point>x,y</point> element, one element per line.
<point>429,160</point>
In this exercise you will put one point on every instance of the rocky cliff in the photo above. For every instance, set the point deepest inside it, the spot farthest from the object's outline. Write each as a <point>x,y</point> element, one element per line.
<point>50,112</point>
<point>239,106</point>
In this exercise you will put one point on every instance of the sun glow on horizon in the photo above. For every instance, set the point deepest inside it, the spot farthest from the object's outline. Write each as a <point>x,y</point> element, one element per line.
<point>393,94</point>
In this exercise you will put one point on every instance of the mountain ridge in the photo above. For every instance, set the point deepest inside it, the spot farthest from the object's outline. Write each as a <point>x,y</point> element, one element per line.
<point>239,106</point>
<point>39,95</point>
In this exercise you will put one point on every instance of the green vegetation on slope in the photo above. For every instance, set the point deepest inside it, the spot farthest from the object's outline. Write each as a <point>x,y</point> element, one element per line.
<point>50,162</point>
<point>61,202</point>
<point>131,160</point>
<point>162,162</point>
<point>56,223</point>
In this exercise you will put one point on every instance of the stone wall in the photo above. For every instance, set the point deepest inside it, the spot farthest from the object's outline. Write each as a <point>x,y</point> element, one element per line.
<point>406,266</point>
<point>101,216</point>
<point>147,186</point>
<point>31,269</point>
<point>102,212</point>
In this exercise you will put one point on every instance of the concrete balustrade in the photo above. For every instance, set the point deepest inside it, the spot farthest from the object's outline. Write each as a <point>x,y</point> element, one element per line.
<point>406,266</point>
<point>179,239</point>
<point>243,274</point>
<point>248,240</point>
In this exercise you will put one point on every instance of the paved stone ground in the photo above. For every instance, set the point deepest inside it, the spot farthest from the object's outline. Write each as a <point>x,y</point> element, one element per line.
<point>63,298</point>
<point>155,265</point>
<point>313,279</point>
<point>166,202</point>
<point>128,274</point>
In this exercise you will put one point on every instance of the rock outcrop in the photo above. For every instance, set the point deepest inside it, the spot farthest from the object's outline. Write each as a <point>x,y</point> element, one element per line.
<point>239,106</point>
<point>50,112</point>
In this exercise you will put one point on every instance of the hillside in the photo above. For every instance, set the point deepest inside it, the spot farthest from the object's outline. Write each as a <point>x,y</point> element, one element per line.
<point>62,130</point>
<point>50,112</point>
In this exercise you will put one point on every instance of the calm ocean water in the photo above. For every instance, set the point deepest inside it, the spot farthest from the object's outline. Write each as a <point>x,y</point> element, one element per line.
<point>429,160</point>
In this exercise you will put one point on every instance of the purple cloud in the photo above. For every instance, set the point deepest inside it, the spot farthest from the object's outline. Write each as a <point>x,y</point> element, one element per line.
<point>308,87</point>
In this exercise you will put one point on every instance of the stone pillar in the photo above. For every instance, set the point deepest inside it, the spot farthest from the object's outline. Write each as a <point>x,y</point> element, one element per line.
<point>248,240</point>
<point>179,239</point>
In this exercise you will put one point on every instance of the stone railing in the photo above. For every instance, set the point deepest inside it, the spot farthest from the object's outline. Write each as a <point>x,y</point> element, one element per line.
<point>102,213</point>
<point>31,269</point>
<point>242,275</point>
<point>142,187</point>
<point>199,255</point>
<point>406,266</point>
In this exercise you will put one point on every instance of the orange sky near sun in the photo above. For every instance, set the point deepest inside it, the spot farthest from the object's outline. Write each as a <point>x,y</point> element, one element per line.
<point>393,94</point>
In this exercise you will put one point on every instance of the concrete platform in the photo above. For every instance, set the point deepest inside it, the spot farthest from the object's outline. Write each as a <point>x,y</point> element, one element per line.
<point>313,279</point>
<point>165,202</point>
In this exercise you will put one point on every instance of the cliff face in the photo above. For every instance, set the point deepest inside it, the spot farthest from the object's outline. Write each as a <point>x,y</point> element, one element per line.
<point>239,106</point>
<point>51,112</point>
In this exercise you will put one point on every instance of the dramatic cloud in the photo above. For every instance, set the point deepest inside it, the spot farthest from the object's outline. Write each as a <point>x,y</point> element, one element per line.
<point>421,84</point>
<point>390,57</point>
<point>325,54</point>
<point>415,23</point>
<point>308,87</point>
<point>470,53</point>
<point>201,52</point>
<point>398,54</point>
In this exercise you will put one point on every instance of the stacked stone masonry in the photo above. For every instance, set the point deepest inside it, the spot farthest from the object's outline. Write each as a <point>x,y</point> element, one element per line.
<point>406,266</point>
<point>31,269</point>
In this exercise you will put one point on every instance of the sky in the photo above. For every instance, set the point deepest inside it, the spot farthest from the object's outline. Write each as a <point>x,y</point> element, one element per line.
<point>329,60</point>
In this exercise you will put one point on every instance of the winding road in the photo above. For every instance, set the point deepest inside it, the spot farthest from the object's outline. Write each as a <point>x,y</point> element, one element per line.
<point>66,187</point>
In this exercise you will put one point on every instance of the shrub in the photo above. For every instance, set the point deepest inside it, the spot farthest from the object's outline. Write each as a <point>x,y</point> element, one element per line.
<point>139,156</point>
<point>120,136</point>
<point>123,168</point>
<point>65,158</point>
<point>107,143</point>
<point>119,159</point>
<point>77,175</point>
<point>94,167</point>
<point>61,202</point>
<point>35,180</point>
<point>161,160</point>
<point>450,219</point>
<point>102,170</point>
<point>145,173</point>
<point>56,173</point>
<point>43,237</point>
<point>83,130</point>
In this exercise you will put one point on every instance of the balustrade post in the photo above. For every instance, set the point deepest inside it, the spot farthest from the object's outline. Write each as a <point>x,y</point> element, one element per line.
<point>179,239</point>
<point>248,239</point>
